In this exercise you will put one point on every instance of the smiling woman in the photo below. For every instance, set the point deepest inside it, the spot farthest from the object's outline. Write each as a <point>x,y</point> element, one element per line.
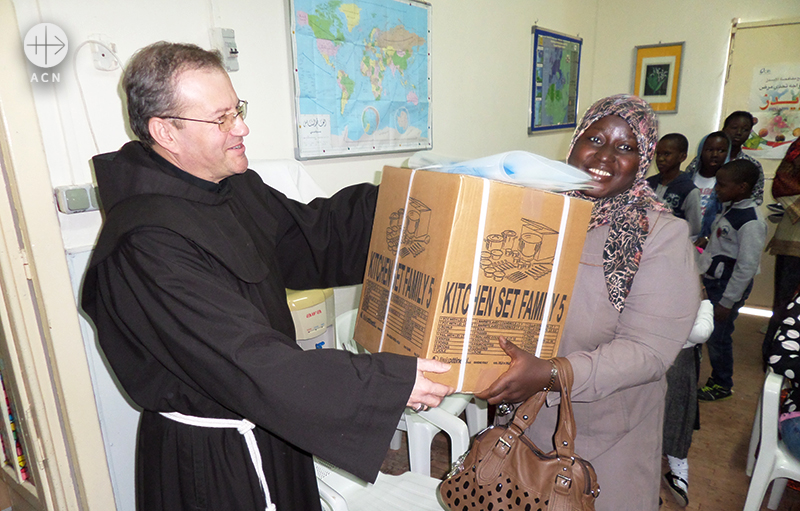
<point>617,136</point>
<point>608,151</point>
<point>634,302</point>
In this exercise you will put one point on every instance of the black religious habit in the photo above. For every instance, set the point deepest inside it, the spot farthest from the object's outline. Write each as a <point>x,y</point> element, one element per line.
<point>186,288</point>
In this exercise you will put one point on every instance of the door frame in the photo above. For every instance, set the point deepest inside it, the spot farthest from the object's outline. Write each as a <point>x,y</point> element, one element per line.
<point>66,445</point>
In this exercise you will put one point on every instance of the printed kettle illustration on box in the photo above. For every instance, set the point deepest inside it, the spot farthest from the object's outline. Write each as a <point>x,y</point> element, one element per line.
<point>457,261</point>
<point>517,257</point>
<point>414,230</point>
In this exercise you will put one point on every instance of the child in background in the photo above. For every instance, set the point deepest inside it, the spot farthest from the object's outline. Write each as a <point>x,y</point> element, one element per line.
<point>680,410</point>
<point>712,152</point>
<point>674,187</point>
<point>728,265</point>
<point>738,127</point>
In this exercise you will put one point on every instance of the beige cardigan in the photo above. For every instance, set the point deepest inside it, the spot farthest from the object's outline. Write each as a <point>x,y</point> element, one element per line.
<point>620,360</point>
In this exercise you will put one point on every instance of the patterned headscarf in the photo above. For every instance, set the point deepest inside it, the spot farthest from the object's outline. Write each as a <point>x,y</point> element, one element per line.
<point>626,212</point>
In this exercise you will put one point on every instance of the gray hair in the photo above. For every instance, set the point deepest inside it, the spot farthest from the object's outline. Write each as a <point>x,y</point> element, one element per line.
<point>151,76</point>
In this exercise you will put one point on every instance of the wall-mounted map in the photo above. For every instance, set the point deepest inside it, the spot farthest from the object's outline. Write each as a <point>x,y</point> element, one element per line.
<point>554,88</point>
<point>362,76</point>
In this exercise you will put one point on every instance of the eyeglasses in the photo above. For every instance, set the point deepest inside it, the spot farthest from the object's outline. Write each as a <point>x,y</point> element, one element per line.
<point>225,122</point>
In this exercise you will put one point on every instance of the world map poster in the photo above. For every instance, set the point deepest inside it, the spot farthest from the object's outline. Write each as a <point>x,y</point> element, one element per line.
<point>362,76</point>
<point>554,90</point>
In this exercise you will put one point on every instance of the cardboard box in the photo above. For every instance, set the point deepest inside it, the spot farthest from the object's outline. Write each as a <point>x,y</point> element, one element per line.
<point>452,255</point>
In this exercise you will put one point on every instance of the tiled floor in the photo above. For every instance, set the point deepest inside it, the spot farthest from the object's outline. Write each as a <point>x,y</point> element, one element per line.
<point>717,481</point>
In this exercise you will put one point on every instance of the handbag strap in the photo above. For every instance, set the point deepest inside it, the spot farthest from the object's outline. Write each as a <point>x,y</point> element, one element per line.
<point>565,432</point>
<point>527,411</point>
<point>564,439</point>
<point>524,418</point>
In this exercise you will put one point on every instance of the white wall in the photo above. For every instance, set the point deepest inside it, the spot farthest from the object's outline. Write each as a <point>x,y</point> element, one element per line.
<point>481,87</point>
<point>481,82</point>
<point>704,26</point>
<point>481,74</point>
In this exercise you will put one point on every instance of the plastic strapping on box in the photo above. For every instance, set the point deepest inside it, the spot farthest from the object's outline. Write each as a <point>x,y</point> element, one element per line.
<point>396,260</point>
<point>476,270</point>
<point>548,303</point>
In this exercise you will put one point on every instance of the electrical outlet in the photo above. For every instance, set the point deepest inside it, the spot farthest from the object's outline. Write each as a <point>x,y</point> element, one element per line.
<point>76,198</point>
<point>103,59</point>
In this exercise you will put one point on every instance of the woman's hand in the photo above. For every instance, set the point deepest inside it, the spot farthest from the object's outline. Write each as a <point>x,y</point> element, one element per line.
<point>526,376</point>
<point>426,393</point>
<point>721,314</point>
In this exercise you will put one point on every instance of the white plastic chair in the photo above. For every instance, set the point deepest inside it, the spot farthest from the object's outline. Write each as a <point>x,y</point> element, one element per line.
<point>421,427</point>
<point>755,436</point>
<point>289,177</point>
<point>341,491</point>
<point>774,461</point>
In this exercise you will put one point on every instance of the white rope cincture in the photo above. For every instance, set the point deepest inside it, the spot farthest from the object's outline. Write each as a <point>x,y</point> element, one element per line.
<point>476,270</point>
<point>245,428</point>
<point>548,303</point>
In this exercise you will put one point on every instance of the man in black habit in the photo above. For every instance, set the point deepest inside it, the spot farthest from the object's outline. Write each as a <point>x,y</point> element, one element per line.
<point>186,288</point>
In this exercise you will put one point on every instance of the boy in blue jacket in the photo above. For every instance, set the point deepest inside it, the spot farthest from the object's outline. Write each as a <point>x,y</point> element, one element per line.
<point>728,264</point>
<point>673,187</point>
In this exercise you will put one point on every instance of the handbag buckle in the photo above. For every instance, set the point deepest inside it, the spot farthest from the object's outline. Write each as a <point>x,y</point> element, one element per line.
<point>502,445</point>
<point>565,481</point>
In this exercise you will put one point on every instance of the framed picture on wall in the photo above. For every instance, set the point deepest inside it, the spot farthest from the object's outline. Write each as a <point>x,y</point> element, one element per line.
<point>554,80</point>
<point>657,75</point>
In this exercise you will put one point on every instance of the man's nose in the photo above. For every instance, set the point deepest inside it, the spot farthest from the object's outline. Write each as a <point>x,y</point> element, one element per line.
<point>240,128</point>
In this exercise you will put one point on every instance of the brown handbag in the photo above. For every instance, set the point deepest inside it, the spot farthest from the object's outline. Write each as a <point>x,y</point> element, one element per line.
<point>505,470</point>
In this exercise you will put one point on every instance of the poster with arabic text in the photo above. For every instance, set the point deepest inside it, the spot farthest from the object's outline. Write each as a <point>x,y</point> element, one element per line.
<point>775,105</point>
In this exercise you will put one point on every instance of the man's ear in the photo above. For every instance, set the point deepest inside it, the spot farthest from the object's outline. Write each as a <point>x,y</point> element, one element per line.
<point>682,158</point>
<point>162,131</point>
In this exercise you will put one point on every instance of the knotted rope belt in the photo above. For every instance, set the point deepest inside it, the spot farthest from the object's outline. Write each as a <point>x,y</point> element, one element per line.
<point>245,428</point>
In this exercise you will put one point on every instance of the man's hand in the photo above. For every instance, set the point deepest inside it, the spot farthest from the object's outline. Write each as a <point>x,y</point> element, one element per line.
<point>526,376</point>
<point>427,394</point>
